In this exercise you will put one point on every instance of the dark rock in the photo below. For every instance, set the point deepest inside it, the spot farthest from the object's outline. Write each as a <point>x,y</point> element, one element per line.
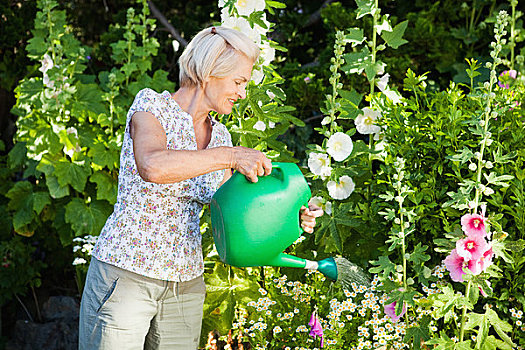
<point>58,332</point>
<point>60,307</point>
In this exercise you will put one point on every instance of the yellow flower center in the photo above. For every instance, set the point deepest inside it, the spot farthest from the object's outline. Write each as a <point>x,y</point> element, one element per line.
<point>470,245</point>
<point>476,222</point>
<point>241,3</point>
<point>338,146</point>
<point>369,121</point>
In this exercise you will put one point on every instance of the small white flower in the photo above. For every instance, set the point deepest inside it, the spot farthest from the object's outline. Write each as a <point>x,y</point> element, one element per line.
<point>341,190</point>
<point>394,96</point>
<point>48,82</point>
<point>271,124</point>
<point>365,121</point>
<point>339,146</point>
<point>246,7</point>
<point>488,191</point>
<point>175,44</point>
<point>270,94</point>
<point>79,261</point>
<point>260,126</point>
<point>316,162</point>
<point>47,64</point>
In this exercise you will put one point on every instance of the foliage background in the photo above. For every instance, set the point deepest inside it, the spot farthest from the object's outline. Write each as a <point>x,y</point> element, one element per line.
<point>440,35</point>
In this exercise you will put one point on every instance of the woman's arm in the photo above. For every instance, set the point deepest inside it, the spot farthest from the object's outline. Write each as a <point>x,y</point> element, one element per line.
<point>156,163</point>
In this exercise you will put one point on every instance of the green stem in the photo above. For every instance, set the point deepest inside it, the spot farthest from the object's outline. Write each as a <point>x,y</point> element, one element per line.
<point>464,314</point>
<point>512,34</point>
<point>374,42</point>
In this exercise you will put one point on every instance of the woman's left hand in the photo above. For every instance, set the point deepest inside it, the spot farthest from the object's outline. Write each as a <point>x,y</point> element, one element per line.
<point>308,216</point>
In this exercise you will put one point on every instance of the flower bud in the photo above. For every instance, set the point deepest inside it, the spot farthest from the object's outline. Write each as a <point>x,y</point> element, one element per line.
<point>472,166</point>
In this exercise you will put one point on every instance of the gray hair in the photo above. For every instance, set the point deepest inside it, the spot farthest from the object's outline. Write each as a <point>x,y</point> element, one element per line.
<point>212,53</point>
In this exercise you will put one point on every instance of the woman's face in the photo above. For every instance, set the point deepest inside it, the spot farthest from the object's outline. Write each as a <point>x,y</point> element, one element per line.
<point>223,92</point>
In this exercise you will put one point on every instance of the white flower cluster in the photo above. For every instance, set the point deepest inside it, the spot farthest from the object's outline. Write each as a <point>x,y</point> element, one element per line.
<point>244,8</point>
<point>339,147</point>
<point>85,246</point>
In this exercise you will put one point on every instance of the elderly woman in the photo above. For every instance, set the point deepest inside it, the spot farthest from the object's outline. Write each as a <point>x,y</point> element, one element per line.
<point>144,288</point>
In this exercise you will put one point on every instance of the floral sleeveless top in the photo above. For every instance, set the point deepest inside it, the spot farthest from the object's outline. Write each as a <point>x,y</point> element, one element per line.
<point>154,228</point>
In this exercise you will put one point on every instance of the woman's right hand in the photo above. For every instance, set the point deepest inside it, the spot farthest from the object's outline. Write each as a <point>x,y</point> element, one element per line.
<point>251,163</point>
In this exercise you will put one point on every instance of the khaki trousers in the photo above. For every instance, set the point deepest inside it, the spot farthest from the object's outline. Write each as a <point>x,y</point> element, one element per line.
<point>122,310</point>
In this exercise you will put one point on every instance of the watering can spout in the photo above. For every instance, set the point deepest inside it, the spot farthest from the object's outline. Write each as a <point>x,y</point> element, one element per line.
<point>286,260</point>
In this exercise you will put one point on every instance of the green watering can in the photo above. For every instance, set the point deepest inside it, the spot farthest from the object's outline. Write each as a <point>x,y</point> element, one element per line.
<point>253,223</point>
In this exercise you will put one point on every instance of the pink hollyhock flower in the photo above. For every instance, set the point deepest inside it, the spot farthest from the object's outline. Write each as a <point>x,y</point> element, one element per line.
<point>481,265</point>
<point>390,311</point>
<point>316,328</point>
<point>472,247</point>
<point>454,264</point>
<point>473,224</point>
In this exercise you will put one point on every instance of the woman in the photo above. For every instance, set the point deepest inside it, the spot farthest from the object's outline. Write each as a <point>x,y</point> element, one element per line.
<point>145,288</point>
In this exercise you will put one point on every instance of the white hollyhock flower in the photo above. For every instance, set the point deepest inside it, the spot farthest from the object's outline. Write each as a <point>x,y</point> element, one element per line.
<point>341,190</point>
<point>271,124</point>
<point>383,82</point>
<point>339,146</point>
<point>365,121</point>
<point>393,95</point>
<point>47,64</point>
<point>48,82</point>
<point>242,25</point>
<point>318,161</point>
<point>328,208</point>
<point>259,126</point>
<point>317,200</point>
<point>267,53</point>
<point>326,171</point>
<point>246,7</point>
<point>257,76</point>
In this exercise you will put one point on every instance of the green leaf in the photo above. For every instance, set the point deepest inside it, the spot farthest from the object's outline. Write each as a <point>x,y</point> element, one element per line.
<point>418,256</point>
<point>40,200</point>
<point>501,327</point>
<point>21,201</point>
<point>276,4</point>
<point>72,174</point>
<point>418,333</point>
<point>395,38</point>
<point>364,7</point>
<point>354,36</point>
<point>87,218</point>
<point>55,190</point>
<point>17,155</point>
<point>106,186</point>
<point>384,266</point>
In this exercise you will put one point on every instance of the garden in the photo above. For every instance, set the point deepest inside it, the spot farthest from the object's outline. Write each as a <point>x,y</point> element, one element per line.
<point>405,117</point>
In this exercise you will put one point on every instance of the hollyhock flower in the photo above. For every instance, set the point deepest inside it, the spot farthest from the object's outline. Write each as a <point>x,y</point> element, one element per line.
<point>473,224</point>
<point>318,161</point>
<point>480,265</point>
<point>454,264</point>
<point>242,25</point>
<point>339,146</point>
<point>328,208</point>
<point>341,190</point>
<point>365,121</point>
<point>505,78</point>
<point>267,53</point>
<point>317,200</point>
<point>472,247</point>
<point>259,126</point>
<point>316,330</point>
<point>383,82</point>
<point>246,7</point>
<point>257,76</point>
<point>47,63</point>
<point>390,311</point>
